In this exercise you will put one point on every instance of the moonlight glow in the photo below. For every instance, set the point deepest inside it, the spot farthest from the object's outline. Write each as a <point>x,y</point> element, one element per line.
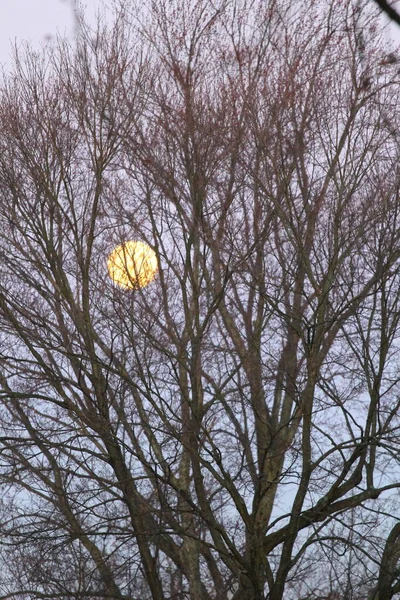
<point>132,265</point>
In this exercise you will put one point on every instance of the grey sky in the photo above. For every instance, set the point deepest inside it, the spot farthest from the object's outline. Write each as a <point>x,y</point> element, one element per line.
<point>35,20</point>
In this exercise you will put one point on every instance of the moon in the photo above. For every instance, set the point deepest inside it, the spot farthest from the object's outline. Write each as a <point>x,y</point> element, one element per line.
<point>132,265</point>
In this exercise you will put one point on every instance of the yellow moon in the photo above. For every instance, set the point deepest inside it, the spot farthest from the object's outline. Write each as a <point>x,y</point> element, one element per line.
<point>132,265</point>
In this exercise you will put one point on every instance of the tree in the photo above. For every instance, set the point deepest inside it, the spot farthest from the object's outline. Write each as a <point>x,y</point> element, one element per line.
<point>388,9</point>
<point>230,430</point>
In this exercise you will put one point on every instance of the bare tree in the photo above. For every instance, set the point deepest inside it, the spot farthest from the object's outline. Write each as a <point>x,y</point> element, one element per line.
<point>231,429</point>
<point>389,10</point>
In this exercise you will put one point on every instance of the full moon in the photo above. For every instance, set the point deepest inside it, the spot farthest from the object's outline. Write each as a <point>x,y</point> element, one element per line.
<point>132,265</point>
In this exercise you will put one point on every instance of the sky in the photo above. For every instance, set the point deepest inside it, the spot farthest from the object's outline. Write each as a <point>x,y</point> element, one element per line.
<point>36,21</point>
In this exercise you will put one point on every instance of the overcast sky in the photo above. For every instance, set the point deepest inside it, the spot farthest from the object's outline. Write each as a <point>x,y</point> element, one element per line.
<point>36,20</point>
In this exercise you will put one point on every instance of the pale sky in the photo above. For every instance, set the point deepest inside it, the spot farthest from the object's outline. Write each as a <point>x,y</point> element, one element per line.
<point>36,20</point>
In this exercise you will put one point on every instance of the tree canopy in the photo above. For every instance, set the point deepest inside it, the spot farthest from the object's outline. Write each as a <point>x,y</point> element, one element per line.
<point>228,428</point>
